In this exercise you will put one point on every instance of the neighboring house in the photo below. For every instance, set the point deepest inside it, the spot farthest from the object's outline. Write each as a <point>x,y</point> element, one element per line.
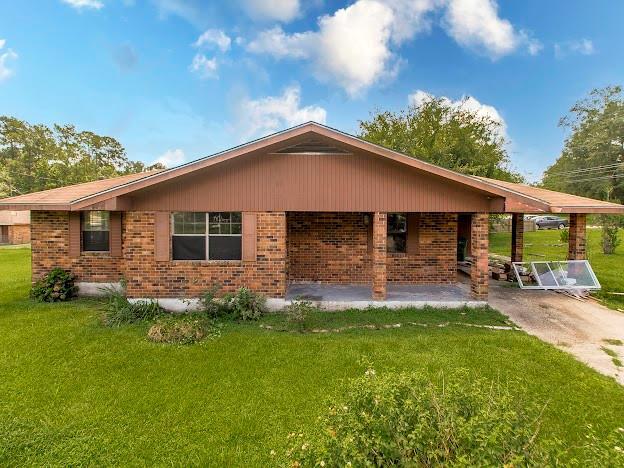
<point>14,227</point>
<point>309,204</point>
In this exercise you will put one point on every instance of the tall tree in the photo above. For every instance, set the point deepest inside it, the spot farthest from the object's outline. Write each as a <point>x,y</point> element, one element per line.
<point>36,157</point>
<point>592,161</point>
<point>446,134</point>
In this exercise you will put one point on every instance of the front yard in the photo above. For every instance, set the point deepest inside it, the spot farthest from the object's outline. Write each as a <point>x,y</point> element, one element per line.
<point>73,392</point>
<point>546,245</point>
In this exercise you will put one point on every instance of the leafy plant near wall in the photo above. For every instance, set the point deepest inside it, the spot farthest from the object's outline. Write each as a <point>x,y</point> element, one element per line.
<point>118,310</point>
<point>298,311</point>
<point>409,419</point>
<point>57,285</point>
<point>244,304</point>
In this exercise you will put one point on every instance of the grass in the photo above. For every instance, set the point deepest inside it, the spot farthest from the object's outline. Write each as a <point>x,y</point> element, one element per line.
<point>73,392</point>
<point>608,268</point>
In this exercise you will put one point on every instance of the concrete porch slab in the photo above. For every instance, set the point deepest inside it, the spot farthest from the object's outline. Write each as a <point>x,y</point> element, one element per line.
<point>353,296</point>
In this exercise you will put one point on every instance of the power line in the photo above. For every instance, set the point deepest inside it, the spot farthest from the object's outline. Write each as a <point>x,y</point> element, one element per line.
<point>613,176</point>
<point>590,169</point>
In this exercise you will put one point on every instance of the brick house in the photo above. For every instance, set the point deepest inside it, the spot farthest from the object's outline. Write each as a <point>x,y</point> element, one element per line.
<point>14,227</point>
<point>306,205</point>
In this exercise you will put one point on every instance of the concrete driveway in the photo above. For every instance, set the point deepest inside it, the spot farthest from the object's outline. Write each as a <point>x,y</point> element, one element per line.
<point>580,328</point>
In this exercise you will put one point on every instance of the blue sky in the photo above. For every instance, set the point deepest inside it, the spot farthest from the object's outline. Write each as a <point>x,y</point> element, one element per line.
<point>179,79</point>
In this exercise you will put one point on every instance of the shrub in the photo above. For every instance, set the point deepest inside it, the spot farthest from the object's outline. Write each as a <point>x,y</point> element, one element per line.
<point>564,236</point>
<point>298,311</point>
<point>183,329</point>
<point>408,419</point>
<point>56,285</point>
<point>212,306</point>
<point>610,234</point>
<point>119,311</point>
<point>245,304</point>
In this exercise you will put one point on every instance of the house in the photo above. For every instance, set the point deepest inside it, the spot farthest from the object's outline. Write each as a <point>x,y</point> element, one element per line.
<point>308,205</point>
<point>14,227</point>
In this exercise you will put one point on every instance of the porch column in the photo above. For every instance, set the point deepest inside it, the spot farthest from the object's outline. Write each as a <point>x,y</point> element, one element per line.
<point>517,237</point>
<point>479,241</point>
<point>576,242</point>
<point>380,233</point>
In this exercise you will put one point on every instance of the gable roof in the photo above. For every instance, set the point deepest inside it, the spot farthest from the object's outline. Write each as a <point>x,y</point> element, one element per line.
<point>80,196</point>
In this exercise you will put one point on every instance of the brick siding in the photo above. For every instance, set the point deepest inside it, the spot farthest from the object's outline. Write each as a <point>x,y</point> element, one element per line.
<point>577,249</point>
<point>19,234</point>
<point>50,248</point>
<point>328,248</point>
<point>436,260</point>
<point>479,273</point>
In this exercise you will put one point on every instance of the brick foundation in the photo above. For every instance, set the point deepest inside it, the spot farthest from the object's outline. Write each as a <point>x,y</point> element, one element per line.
<point>479,274</point>
<point>578,236</point>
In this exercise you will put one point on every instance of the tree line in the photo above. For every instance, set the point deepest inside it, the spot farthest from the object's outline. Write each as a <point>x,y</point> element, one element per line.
<point>36,157</point>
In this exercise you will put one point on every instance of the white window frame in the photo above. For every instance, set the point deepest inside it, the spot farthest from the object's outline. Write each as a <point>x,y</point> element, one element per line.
<point>83,230</point>
<point>207,235</point>
<point>557,284</point>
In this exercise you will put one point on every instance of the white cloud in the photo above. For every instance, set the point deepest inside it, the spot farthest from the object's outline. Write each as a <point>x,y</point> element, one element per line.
<point>204,67</point>
<point>171,158</point>
<point>354,46</point>
<point>80,4</point>
<point>475,24</point>
<point>467,103</point>
<point>214,37</point>
<point>351,47</point>
<point>5,58</point>
<point>272,10</point>
<point>581,46</point>
<point>269,114</point>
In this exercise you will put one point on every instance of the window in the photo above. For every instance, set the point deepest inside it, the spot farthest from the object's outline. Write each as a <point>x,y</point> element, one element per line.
<point>397,233</point>
<point>95,231</point>
<point>207,236</point>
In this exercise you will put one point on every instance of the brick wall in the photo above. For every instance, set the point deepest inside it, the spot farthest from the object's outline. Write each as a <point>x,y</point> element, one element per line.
<point>479,272</point>
<point>148,278</point>
<point>328,248</point>
<point>436,260</point>
<point>50,248</point>
<point>578,237</point>
<point>19,234</point>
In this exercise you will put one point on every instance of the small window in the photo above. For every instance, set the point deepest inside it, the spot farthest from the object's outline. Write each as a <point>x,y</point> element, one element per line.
<point>212,236</point>
<point>95,231</point>
<point>397,233</point>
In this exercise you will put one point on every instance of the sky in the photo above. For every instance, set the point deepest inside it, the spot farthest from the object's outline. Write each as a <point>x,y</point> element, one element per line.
<point>176,80</point>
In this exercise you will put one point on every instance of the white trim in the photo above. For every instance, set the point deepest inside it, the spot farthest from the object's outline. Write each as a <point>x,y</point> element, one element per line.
<point>92,289</point>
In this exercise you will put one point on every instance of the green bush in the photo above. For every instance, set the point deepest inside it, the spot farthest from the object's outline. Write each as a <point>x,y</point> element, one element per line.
<point>245,304</point>
<point>298,311</point>
<point>119,311</point>
<point>183,329</point>
<point>57,285</point>
<point>610,234</point>
<point>212,306</point>
<point>409,419</point>
<point>564,236</point>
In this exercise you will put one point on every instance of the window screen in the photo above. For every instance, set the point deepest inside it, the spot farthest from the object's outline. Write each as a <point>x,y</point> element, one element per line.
<point>95,231</point>
<point>212,236</point>
<point>397,233</point>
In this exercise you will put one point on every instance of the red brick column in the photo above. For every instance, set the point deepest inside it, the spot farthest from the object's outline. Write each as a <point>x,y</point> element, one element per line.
<point>517,237</point>
<point>576,243</point>
<point>380,233</point>
<point>480,246</point>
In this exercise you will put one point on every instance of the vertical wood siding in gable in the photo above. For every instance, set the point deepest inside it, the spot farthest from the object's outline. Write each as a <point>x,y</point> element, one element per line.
<point>310,182</point>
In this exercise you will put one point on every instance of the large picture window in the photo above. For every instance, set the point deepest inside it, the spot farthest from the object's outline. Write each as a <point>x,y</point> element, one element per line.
<point>95,231</point>
<point>397,233</point>
<point>206,236</point>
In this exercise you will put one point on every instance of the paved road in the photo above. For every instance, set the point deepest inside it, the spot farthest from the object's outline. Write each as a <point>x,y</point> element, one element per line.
<point>579,328</point>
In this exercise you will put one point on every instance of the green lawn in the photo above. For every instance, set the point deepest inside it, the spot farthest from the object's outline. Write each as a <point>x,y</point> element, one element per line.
<point>74,393</point>
<point>546,245</point>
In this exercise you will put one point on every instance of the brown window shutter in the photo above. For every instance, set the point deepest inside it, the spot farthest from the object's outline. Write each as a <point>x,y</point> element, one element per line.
<point>162,238</point>
<point>413,234</point>
<point>74,234</point>
<point>249,237</point>
<point>115,233</point>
